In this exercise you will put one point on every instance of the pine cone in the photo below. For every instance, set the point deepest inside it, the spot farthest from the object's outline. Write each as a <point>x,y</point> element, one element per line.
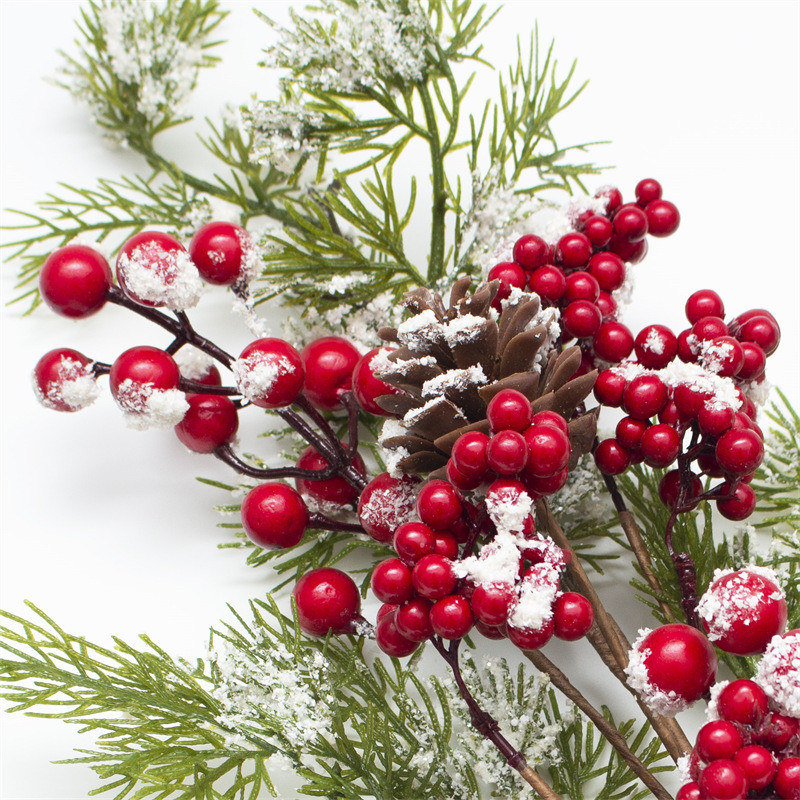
<point>452,360</point>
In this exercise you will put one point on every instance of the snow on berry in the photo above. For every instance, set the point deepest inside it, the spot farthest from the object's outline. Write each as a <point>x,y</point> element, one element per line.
<point>538,591</point>
<point>508,508</point>
<point>63,380</point>
<point>194,364</point>
<point>385,504</point>
<point>146,407</point>
<point>778,672</point>
<point>496,562</point>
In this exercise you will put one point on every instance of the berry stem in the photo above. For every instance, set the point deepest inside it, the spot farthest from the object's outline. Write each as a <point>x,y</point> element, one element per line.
<point>193,387</point>
<point>226,454</point>
<point>487,725</point>
<point>323,523</point>
<point>614,737</point>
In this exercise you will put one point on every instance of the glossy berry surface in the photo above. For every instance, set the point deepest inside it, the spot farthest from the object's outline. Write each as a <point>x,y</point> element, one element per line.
<point>74,281</point>
<point>718,739</point>
<point>663,218</point>
<point>212,420</point>
<point>384,504</point>
<point>329,490</point>
<point>613,341</point>
<point>329,363</point>
<point>451,617</point>
<point>507,453</point>
<point>548,282</point>
<point>491,603</point>
<point>438,505</point>
<point>413,541</point>
<point>469,454</point>
<point>327,599</point>
<point>218,250</point>
<point>390,640</point>
<point>723,780</point>
<point>531,252</point>
<point>413,619</point>
<point>433,577</point>
<point>391,581</point>
<point>144,365</point>
<point>274,515</point>
<point>582,319</point>
<point>510,275</point>
<point>759,766</point>
<point>644,396</point>
<point>660,445</point>
<point>739,452</point>
<point>787,779</point>
<point>548,451</point>
<point>573,250</point>
<point>630,223</point>
<point>572,616</point>
<point>531,638</point>
<point>367,387</point>
<point>704,303</point>
<point>611,457</point>
<point>647,190</point>
<point>655,346</point>
<point>509,410</point>
<point>744,702</point>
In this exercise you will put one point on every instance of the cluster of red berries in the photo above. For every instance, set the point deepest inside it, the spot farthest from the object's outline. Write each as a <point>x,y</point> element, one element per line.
<point>666,401</point>
<point>750,750</point>
<point>582,270</point>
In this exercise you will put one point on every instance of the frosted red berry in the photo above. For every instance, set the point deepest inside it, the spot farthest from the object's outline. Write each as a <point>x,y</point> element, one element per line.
<point>385,503</point>
<point>211,420</point>
<point>162,258</point>
<point>451,617</point>
<point>413,541</point>
<point>390,640</point>
<point>439,505</point>
<point>74,281</point>
<point>511,276</point>
<point>329,363</point>
<point>334,490</point>
<point>581,319</point>
<point>433,577</point>
<point>391,581</point>
<point>687,351</point>
<point>611,457</point>
<point>663,218</point>
<point>220,252</point>
<point>327,599</point>
<point>655,346</point>
<point>269,372</point>
<point>548,282</point>
<point>613,198</point>
<point>274,516</point>
<point>57,374</point>
<point>531,252</point>
<point>368,387</point>
<point>647,190</point>
<point>572,616</point>
<point>724,356</point>
<point>144,366</point>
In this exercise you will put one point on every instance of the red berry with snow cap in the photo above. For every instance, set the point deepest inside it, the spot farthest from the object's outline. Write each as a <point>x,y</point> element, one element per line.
<point>367,386</point>
<point>269,373</point>
<point>274,516</point>
<point>63,380</point>
<point>385,503</point>
<point>74,281</point>
<point>511,276</point>
<point>329,363</point>
<point>656,346</point>
<point>327,601</point>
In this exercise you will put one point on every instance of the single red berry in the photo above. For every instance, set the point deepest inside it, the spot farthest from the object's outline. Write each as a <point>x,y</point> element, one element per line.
<point>715,418</point>
<point>552,418</point>
<point>723,780</point>
<point>507,453</point>
<point>739,452</point>
<point>390,640</point>
<point>573,616</point>
<point>465,483</point>
<point>531,252</point>
<point>754,362</point>
<point>212,420</point>
<point>663,218</point>
<point>608,270</point>
<point>670,415</point>
<point>723,355</point>
<point>573,250</point>
<point>327,600</point>
<point>511,276</point>
<point>143,366</point>
<point>385,503</point>
<point>743,702</point>
<point>647,190</point>
<point>386,608</point>
<point>607,305</point>
<point>446,545</point>
<point>630,252</point>
<point>629,432</point>
<point>611,457</point>
<point>328,490</point>
<point>718,739</point>
<point>509,410</point>
<point>630,223</point>
<point>451,617</point>
<point>433,577</point>
<point>708,328</point>
<point>689,399</point>
<point>274,516</point>
<point>689,791</point>
<point>531,638</point>
<point>269,373</point>
<point>597,230</point>
<point>759,766</point>
<point>221,251</point>
<point>491,603</point>
<point>548,451</point>
<point>669,490</point>
<point>581,319</point>
<point>739,320</point>
<point>704,303</point>
<point>609,388</point>
<point>779,731</point>
<point>687,350</point>
<point>548,282</point>
<point>494,632</point>
<point>613,342</point>
<point>413,619</point>
<point>329,363</point>
<point>741,505</point>
<point>708,465</point>
<point>391,581</point>
<point>762,331</point>
<point>413,541</point>
<point>660,445</point>
<point>74,281</point>
<point>439,505</point>
<point>63,380</point>
<point>656,346</point>
<point>645,396</point>
<point>613,198</point>
<point>581,285</point>
<point>367,387</point>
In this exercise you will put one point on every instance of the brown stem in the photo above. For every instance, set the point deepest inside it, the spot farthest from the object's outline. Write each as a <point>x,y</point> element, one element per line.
<point>226,454</point>
<point>323,523</point>
<point>193,387</point>
<point>487,726</point>
<point>612,735</point>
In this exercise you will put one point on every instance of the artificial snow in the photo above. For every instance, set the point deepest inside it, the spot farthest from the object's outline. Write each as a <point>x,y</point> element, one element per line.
<point>76,386</point>
<point>256,374</point>
<point>455,379</point>
<point>419,330</point>
<point>538,591</point>
<point>146,407</point>
<point>778,673</point>
<point>667,704</point>
<point>496,563</point>
<point>463,329</point>
<point>390,506</point>
<point>193,363</point>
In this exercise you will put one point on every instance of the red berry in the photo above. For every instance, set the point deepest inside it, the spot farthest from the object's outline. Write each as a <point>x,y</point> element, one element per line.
<point>329,363</point>
<point>451,617</point>
<point>744,702</point>
<point>723,780</point>
<point>413,541</point>
<point>211,420</point>
<point>548,451</point>
<point>573,250</point>
<point>531,638</point>
<point>537,487</point>
<point>491,603</point>
<point>329,490</point>
<point>754,362</point>
<point>490,631</point>
<point>510,275</point>
<point>439,505</point>
<point>327,600</point>
<point>597,230</point>
<point>629,432</point>
<point>663,218</point>
<point>581,319</point>
<point>670,487</point>
<point>386,608</point>
<point>660,445</point>
<point>220,251</point>
<point>724,355</point>
<point>739,452</point>
<point>718,739</point>
<point>689,791</point>
<point>779,732</point>
<point>613,342</point>
<point>742,611</point>
<point>670,415</point>
<point>269,373</point>
<point>573,616</point>
<point>469,453</point>
<point>762,331</point>
<point>715,418</point>
<point>390,640</point>
<point>609,388</point>
<point>608,270</point>
<point>759,766</point>
<point>549,283</point>
<point>461,481</point>
<point>507,453</point>
<point>708,328</point>
<point>552,418</point>
<point>647,190</point>
<point>645,396</point>
<point>509,410</point>
<point>74,281</point>
<point>531,252</point>
<point>607,305</point>
<point>741,505</point>
<point>274,516</point>
<point>686,348</point>
<point>581,286</point>
<point>704,303</point>
<point>433,577</point>
<point>656,346</point>
<point>140,371</point>
<point>630,223</point>
<point>611,457</point>
<point>391,581</point>
<point>613,198</point>
<point>385,503</point>
<point>630,252</point>
<point>446,545</point>
<point>708,465</point>
<point>367,387</point>
<point>690,399</point>
<point>413,620</point>
<point>63,380</point>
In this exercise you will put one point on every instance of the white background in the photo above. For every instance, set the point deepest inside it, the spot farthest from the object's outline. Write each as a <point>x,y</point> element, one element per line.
<point>106,529</point>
